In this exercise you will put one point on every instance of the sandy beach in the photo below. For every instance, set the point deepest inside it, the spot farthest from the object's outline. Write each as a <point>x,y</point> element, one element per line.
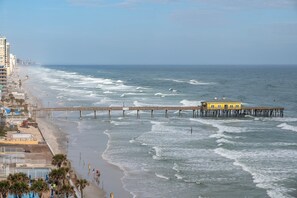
<point>56,139</point>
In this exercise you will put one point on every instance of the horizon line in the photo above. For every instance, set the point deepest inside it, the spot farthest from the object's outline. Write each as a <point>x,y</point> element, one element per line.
<point>70,64</point>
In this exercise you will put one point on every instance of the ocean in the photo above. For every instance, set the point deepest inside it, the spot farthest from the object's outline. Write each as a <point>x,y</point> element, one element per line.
<point>159,157</point>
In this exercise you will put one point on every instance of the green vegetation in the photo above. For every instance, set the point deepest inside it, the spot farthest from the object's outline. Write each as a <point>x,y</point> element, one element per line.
<point>58,159</point>
<point>18,184</point>
<point>2,130</point>
<point>19,188</point>
<point>81,184</point>
<point>4,188</point>
<point>66,190</point>
<point>39,186</point>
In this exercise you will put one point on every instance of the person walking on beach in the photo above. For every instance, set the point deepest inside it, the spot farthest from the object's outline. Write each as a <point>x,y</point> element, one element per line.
<point>191,130</point>
<point>111,195</point>
<point>98,173</point>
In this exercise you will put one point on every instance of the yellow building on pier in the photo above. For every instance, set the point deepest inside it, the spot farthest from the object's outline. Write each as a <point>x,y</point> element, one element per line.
<point>221,105</point>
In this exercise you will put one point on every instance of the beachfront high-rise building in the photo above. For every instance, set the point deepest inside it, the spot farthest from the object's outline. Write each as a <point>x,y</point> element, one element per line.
<point>7,58</point>
<point>3,64</point>
<point>2,51</point>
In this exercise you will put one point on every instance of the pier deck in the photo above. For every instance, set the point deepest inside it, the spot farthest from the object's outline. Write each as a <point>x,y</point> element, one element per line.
<point>196,110</point>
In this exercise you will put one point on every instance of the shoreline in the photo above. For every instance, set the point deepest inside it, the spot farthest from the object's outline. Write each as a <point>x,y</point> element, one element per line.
<point>54,138</point>
<point>57,139</point>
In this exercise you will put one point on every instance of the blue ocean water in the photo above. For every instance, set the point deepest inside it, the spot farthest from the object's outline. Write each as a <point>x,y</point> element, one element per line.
<point>223,157</point>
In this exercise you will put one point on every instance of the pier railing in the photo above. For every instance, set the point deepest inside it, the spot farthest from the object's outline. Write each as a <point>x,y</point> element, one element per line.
<point>197,111</point>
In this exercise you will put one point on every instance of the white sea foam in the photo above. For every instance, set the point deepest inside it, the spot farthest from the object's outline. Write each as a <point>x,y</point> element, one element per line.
<point>162,176</point>
<point>176,168</point>
<point>179,177</point>
<point>132,141</point>
<point>173,80</point>
<point>158,153</point>
<point>190,102</point>
<point>280,119</point>
<point>107,92</point>
<point>223,128</point>
<point>195,82</point>
<point>220,135</point>
<point>140,88</point>
<point>192,82</point>
<point>263,178</point>
<point>160,94</point>
<point>138,103</point>
<point>222,140</point>
<point>288,127</point>
<point>132,94</point>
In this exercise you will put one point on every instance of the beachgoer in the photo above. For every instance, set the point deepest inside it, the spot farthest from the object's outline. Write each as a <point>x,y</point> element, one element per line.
<point>89,168</point>
<point>98,173</point>
<point>191,130</point>
<point>111,195</point>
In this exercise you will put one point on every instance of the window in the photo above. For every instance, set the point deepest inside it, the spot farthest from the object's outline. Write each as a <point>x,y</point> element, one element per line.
<point>231,106</point>
<point>212,106</point>
<point>237,106</point>
<point>219,106</point>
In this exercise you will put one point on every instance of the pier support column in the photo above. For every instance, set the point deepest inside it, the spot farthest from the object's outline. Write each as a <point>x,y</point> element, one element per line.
<point>109,114</point>
<point>138,114</point>
<point>179,113</point>
<point>80,114</point>
<point>193,113</point>
<point>123,113</point>
<point>95,116</point>
<point>152,113</point>
<point>166,113</point>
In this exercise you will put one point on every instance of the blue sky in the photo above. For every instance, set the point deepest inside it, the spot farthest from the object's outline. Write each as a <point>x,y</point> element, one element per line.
<point>152,31</point>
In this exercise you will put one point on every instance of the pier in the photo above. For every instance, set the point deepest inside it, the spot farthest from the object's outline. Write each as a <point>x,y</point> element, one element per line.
<point>196,111</point>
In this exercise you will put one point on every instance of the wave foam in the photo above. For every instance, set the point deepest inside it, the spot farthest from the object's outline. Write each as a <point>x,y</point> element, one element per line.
<point>176,168</point>
<point>179,177</point>
<point>288,127</point>
<point>263,178</point>
<point>158,152</point>
<point>162,176</point>
<point>195,82</point>
<point>190,102</point>
<point>192,82</point>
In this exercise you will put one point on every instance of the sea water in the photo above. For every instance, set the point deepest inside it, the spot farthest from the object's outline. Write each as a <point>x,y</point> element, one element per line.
<point>159,156</point>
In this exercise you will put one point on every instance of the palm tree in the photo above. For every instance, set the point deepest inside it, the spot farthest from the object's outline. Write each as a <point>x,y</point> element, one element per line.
<point>66,190</point>
<point>58,159</point>
<point>81,184</point>
<point>39,186</point>
<point>18,177</point>
<point>58,175</point>
<point>4,188</point>
<point>19,188</point>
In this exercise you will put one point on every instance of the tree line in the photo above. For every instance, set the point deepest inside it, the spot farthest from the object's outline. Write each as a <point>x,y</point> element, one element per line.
<point>58,183</point>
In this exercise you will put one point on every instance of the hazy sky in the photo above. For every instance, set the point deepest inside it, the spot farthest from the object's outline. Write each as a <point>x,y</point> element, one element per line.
<point>152,31</point>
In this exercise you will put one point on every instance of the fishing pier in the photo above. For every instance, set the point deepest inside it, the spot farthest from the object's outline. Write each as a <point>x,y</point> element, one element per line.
<point>196,111</point>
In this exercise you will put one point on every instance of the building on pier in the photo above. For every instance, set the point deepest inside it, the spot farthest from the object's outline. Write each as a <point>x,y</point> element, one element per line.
<point>224,108</point>
<point>221,105</point>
